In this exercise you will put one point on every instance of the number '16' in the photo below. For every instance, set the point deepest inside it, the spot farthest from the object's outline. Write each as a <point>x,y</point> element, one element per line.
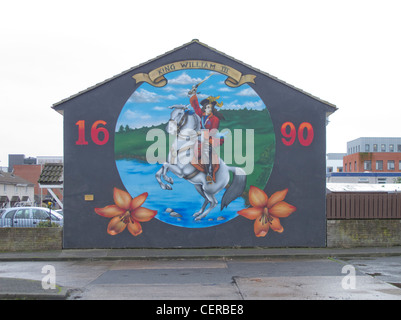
<point>95,133</point>
<point>290,133</point>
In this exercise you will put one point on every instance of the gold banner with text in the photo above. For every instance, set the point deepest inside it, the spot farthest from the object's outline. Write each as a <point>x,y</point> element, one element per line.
<point>156,77</point>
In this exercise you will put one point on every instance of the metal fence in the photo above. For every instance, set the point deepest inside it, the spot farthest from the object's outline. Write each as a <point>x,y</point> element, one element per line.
<point>24,223</point>
<point>363,205</point>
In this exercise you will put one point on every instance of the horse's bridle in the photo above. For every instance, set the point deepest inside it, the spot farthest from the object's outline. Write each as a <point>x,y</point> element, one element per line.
<point>182,122</point>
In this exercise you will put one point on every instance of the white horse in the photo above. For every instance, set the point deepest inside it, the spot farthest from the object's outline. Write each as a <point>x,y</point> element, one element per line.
<point>185,124</point>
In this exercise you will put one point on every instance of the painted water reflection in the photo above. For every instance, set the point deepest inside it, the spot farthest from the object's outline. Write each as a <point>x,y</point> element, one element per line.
<point>175,206</point>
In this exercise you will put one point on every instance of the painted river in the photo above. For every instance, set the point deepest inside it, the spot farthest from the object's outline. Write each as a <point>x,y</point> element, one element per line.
<point>175,206</point>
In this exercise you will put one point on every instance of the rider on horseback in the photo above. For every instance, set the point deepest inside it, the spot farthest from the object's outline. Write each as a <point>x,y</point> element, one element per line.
<point>210,120</point>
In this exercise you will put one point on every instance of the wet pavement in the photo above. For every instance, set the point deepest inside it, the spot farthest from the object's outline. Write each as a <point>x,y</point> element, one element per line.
<point>203,274</point>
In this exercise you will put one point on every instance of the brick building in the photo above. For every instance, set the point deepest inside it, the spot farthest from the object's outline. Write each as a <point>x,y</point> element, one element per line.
<point>373,155</point>
<point>30,173</point>
<point>31,168</point>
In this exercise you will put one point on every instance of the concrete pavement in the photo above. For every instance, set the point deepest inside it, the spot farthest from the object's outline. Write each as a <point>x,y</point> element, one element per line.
<point>16,288</point>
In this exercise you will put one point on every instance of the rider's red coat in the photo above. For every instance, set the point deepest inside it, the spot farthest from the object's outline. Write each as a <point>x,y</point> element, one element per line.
<point>207,122</point>
<point>211,122</point>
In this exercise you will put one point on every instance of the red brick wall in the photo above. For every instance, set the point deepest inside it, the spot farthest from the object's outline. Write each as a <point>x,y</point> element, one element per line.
<point>360,157</point>
<point>30,173</point>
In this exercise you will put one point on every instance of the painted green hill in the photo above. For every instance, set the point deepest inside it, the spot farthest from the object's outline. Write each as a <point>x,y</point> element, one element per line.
<point>131,143</point>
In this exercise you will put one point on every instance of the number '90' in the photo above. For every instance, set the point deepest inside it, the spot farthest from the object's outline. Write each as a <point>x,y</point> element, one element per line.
<point>304,133</point>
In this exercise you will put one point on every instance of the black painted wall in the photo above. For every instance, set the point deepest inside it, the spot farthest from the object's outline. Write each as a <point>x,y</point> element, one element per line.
<point>91,170</point>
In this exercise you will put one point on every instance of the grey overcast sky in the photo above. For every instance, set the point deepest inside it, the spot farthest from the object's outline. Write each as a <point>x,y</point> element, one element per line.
<point>345,52</point>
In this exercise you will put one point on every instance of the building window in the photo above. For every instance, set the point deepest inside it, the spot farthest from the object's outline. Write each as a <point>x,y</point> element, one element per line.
<point>390,165</point>
<point>345,168</point>
<point>355,167</point>
<point>340,169</point>
<point>399,165</point>
<point>375,147</point>
<point>381,180</point>
<point>379,164</point>
<point>367,147</point>
<point>367,165</point>
<point>391,148</point>
<point>398,147</point>
<point>383,148</point>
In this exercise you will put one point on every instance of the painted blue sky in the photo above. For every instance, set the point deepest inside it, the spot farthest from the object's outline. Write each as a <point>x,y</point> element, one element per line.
<point>149,105</point>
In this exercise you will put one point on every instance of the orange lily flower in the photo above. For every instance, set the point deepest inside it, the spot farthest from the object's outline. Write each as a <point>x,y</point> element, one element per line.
<point>126,211</point>
<point>267,211</point>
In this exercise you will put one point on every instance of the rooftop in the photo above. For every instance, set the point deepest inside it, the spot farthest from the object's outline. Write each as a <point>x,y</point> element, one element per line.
<point>52,173</point>
<point>58,108</point>
<point>363,187</point>
<point>11,178</point>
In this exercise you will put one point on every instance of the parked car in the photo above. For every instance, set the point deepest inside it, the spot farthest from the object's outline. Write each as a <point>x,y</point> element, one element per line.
<point>28,217</point>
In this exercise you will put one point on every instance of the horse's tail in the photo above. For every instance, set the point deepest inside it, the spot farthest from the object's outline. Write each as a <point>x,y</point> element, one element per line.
<point>236,188</point>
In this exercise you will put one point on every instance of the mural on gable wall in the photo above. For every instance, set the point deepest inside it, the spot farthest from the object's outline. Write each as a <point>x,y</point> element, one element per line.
<point>194,148</point>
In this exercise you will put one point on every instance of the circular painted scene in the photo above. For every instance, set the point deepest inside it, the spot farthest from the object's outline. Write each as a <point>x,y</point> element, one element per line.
<point>195,146</point>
